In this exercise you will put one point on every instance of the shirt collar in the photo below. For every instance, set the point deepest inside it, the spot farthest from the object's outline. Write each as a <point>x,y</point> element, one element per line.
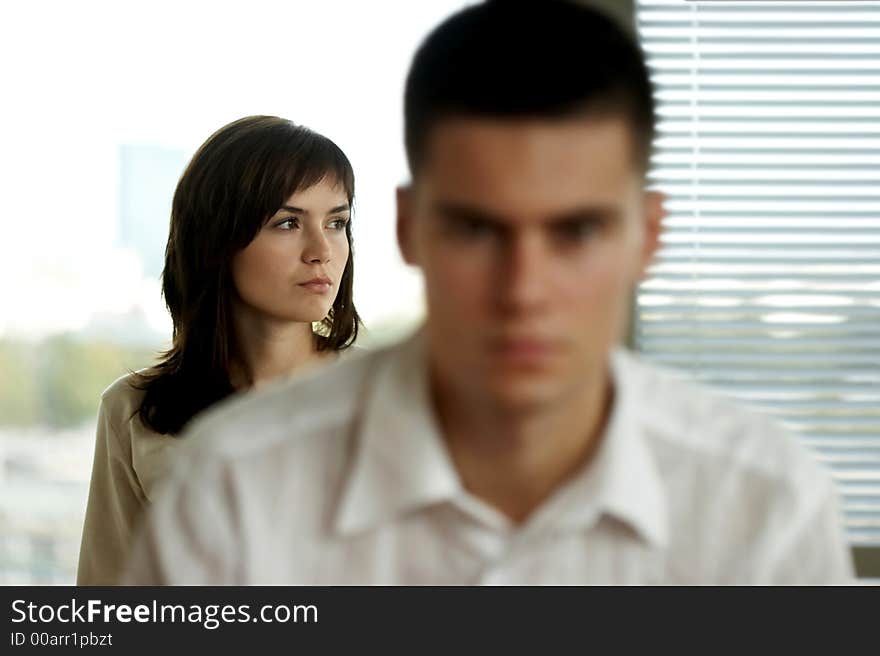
<point>622,480</point>
<point>401,462</point>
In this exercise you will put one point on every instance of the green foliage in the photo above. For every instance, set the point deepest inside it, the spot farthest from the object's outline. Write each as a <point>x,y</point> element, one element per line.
<point>19,399</point>
<point>58,382</point>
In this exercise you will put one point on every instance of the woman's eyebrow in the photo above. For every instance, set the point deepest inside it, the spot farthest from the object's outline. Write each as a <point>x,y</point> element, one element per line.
<point>299,210</point>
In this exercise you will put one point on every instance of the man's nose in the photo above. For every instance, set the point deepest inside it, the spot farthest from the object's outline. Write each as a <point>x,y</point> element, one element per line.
<point>522,284</point>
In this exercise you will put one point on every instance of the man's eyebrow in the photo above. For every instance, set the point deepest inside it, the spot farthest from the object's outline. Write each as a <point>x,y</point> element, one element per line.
<point>298,210</point>
<point>585,214</point>
<point>593,214</point>
<point>467,213</point>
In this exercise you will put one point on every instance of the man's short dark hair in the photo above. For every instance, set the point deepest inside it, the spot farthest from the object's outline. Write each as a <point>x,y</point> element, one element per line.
<point>527,59</point>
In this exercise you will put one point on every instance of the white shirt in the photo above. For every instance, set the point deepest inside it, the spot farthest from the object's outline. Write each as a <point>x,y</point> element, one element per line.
<point>343,478</point>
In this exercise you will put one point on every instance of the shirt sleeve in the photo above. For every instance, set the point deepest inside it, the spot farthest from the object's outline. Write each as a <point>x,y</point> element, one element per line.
<point>188,536</point>
<point>115,505</point>
<point>813,549</point>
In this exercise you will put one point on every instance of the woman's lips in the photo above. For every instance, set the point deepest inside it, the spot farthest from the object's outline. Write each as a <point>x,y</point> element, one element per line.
<point>317,285</point>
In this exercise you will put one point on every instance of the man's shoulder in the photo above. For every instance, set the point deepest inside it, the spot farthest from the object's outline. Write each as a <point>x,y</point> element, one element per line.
<point>694,423</point>
<point>285,414</point>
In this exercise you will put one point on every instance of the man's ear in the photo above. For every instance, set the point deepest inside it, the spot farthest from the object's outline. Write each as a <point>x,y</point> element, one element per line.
<point>404,225</point>
<point>654,214</point>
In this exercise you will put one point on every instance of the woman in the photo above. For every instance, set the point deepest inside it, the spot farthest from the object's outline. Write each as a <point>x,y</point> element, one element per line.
<point>258,280</point>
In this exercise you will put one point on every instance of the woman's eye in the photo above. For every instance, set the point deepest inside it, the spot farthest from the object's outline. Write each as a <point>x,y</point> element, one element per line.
<point>288,224</point>
<point>338,224</point>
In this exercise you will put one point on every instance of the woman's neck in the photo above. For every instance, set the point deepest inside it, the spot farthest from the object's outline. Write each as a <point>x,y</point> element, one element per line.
<point>268,349</point>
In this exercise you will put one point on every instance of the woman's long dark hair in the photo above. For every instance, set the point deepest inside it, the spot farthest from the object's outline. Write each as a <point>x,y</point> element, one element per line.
<point>234,183</point>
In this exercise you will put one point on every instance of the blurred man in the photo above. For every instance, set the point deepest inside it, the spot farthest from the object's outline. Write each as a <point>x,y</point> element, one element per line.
<point>511,440</point>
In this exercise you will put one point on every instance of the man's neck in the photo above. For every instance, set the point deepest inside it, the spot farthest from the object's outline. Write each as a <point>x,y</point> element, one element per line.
<point>516,460</point>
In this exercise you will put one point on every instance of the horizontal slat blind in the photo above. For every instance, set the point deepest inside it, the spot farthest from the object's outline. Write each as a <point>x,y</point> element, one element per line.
<point>768,282</point>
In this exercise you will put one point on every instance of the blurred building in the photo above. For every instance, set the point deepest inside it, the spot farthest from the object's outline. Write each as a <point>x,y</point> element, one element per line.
<point>148,175</point>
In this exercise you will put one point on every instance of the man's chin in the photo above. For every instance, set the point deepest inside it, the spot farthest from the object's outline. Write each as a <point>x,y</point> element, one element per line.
<point>520,393</point>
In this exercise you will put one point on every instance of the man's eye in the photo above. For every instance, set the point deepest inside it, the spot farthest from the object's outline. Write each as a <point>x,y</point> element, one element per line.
<point>573,231</point>
<point>288,224</point>
<point>472,228</point>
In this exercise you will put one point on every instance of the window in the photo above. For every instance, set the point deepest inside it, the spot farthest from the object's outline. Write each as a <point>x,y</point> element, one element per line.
<point>768,282</point>
<point>106,103</point>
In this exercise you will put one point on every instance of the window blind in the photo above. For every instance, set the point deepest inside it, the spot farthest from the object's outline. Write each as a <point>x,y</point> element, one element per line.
<point>767,285</point>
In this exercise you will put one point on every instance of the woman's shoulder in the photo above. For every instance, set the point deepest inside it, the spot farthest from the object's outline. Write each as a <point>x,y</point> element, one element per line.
<point>121,430</point>
<point>124,388</point>
<point>122,398</point>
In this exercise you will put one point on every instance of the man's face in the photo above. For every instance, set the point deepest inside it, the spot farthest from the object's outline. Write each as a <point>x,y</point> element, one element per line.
<point>531,235</point>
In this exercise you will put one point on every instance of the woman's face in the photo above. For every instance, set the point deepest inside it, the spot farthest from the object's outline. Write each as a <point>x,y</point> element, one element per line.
<point>292,269</point>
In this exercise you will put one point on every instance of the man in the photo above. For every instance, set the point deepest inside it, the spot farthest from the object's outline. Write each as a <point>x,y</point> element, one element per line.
<point>510,440</point>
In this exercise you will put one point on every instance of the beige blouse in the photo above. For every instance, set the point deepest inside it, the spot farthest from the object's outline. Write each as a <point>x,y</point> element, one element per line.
<point>130,463</point>
<point>130,460</point>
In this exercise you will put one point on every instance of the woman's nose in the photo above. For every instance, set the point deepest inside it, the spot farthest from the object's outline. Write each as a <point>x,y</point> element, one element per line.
<point>317,250</point>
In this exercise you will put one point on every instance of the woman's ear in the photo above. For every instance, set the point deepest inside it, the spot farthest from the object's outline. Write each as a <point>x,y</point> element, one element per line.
<point>404,224</point>
<point>653,217</point>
